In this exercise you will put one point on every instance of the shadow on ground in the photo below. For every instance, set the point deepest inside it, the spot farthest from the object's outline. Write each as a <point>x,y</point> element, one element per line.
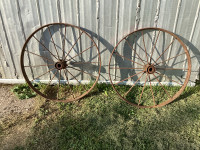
<point>104,121</point>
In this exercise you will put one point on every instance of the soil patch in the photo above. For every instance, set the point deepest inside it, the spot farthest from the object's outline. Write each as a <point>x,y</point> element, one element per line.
<point>15,124</point>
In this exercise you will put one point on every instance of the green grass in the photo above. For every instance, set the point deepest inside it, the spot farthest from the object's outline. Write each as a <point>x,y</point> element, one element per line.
<point>22,91</point>
<point>103,121</point>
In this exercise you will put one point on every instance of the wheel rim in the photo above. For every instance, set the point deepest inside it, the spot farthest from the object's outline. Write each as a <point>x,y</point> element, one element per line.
<point>151,53</point>
<point>58,55</point>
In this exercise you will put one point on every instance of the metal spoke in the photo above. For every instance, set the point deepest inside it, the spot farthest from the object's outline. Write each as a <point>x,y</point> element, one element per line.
<point>166,49</point>
<point>128,59</point>
<point>62,62</point>
<point>51,80</point>
<point>81,52</point>
<point>169,59</point>
<point>66,76</point>
<point>142,50</point>
<point>45,47</point>
<point>73,76</point>
<point>74,45</point>
<point>144,46</point>
<point>154,46</point>
<point>128,77</point>
<point>152,90</point>
<point>133,85</point>
<point>142,90</point>
<point>151,42</point>
<point>44,73</point>
<point>124,68</point>
<point>69,85</point>
<point>162,86</point>
<point>39,56</point>
<point>82,71</point>
<point>134,50</point>
<point>84,62</point>
<point>72,58</point>
<point>170,68</point>
<point>59,84</point>
<point>167,77</point>
<point>142,60</point>
<point>40,65</point>
<point>53,41</point>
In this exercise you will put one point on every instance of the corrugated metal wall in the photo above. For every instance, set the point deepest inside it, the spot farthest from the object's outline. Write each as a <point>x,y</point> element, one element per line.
<point>106,20</point>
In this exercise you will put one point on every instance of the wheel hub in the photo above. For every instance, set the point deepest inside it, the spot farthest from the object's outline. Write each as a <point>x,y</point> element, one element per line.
<point>61,65</point>
<point>150,69</point>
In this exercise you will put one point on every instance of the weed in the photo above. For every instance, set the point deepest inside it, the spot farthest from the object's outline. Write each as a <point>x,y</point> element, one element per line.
<point>19,148</point>
<point>1,129</point>
<point>23,91</point>
<point>43,111</point>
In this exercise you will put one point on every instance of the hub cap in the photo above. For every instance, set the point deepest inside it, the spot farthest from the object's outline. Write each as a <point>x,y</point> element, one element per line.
<point>150,69</point>
<point>61,65</point>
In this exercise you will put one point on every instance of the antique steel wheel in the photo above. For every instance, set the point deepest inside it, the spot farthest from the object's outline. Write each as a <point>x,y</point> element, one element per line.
<point>149,61</point>
<point>57,55</point>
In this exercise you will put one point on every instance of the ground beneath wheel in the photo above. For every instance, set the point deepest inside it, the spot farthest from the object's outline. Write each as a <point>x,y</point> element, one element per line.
<point>101,120</point>
<point>12,112</point>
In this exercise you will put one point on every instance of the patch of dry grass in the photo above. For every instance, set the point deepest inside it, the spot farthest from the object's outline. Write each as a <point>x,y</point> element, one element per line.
<point>103,121</point>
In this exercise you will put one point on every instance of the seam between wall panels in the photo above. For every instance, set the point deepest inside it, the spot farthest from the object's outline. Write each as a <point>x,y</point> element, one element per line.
<point>192,32</point>
<point>78,13</point>
<point>177,15</point>
<point>38,12</point>
<point>60,19</point>
<point>175,25</point>
<point>59,11</point>
<point>195,22</point>
<point>116,33</point>
<point>22,29</point>
<point>2,59</point>
<point>97,26</point>
<point>156,18</point>
<point>137,17</point>
<point>78,24</point>
<point>157,13</point>
<point>41,23</point>
<point>20,19</point>
<point>14,72</point>
<point>6,70</point>
<point>2,73</point>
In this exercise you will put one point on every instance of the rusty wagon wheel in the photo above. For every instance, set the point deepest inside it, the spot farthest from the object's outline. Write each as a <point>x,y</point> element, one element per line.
<point>57,55</point>
<point>149,61</point>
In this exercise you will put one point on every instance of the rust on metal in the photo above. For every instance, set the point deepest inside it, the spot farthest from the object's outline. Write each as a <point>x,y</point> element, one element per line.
<point>62,65</point>
<point>150,67</point>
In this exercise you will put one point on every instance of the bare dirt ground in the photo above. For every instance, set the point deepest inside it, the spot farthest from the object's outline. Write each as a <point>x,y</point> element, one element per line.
<point>13,112</point>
